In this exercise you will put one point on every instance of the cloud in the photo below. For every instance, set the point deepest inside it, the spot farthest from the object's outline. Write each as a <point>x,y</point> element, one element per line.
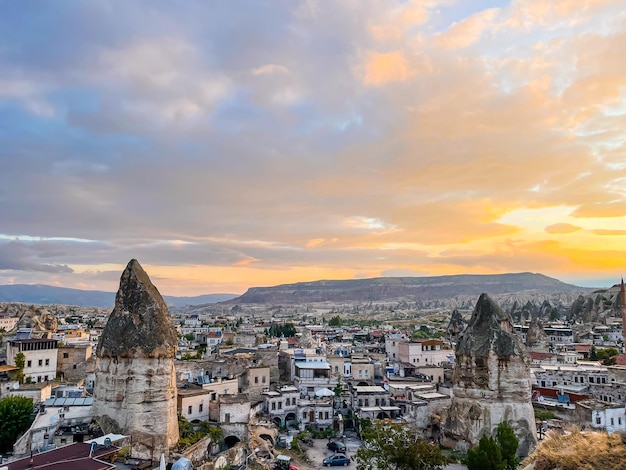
<point>269,69</point>
<point>387,67</point>
<point>468,31</point>
<point>227,147</point>
<point>18,256</point>
<point>562,228</point>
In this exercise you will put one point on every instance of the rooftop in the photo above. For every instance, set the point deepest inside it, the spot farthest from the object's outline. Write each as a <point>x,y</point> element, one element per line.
<point>71,457</point>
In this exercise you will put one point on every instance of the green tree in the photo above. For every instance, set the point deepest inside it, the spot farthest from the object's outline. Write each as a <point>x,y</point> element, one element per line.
<point>508,442</point>
<point>486,456</point>
<point>335,321</point>
<point>397,446</point>
<point>495,454</point>
<point>20,361</point>
<point>15,416</point>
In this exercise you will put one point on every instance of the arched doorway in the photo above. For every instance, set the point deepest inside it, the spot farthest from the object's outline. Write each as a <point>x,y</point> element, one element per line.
<point>231,441</point>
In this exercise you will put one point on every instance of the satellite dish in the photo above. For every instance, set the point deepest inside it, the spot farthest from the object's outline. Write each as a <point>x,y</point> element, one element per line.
<point>16,385</point>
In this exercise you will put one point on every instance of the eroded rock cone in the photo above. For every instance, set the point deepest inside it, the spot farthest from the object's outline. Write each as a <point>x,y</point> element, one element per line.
<point>135,389</point>
<point>491,379</point>
<point>140,324</point>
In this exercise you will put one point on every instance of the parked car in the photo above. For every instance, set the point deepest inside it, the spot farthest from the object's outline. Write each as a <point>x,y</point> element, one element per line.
<point>283,462</point>
<point>336,446</point>
<point>336,460</point>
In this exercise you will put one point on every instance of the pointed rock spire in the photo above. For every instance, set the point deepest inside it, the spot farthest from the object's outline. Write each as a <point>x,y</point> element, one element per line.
<point>140,325</point>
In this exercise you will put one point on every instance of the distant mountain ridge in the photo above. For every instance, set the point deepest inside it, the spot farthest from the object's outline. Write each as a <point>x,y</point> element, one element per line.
<point>47,295</point>
<point>406,288</point>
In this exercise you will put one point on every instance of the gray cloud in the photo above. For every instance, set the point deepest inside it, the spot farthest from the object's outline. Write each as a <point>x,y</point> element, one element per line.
<point>17,256</point>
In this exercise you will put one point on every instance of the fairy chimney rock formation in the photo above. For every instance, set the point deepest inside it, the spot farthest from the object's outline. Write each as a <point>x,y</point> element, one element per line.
<point>491,379</point>
<point>456,326</point>
<point>135,389</point>
<point>536,337</point>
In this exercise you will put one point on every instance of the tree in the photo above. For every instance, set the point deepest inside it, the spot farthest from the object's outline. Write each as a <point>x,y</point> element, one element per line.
<point>486,456</point>
<point>20,361</point>
<point>508,442</point>
<point>15,416</point>
<point>495,454</point>
<point>396,446</point>
<point>335,321</point>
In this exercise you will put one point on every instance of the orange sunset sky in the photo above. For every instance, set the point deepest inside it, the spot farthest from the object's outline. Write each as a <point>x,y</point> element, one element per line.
<point>227,145</point>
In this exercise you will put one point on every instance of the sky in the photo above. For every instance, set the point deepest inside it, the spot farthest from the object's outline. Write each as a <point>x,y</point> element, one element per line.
<point>232,144</point>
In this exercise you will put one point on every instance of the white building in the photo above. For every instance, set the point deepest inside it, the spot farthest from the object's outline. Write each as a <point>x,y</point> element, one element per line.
<point>609,418</point>
<point>40,357</point>
<point>193,404</point>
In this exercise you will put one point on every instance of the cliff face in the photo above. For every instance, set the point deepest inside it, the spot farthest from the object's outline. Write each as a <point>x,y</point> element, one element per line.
<point>135,389</point>
<point>491,379</point>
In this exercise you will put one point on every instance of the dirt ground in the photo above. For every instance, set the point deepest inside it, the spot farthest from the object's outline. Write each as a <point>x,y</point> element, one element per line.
<point>319,452</point>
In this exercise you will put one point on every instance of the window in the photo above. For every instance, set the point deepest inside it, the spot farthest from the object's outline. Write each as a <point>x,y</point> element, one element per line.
<point>612,422</point>
<point>66,355</point>
<point>40,362</point>
<point>214,396</point>
<point>263,379</point>
<point>227,417</point>
<point>273,405</point>
<point>29,363</point>
<point>598,419</point>
<point>45,377</point>
<point>280,405</point>
<point>189,409</point>
<point>326,415</point>
<point>47,362</point>
<point>590,379</point>
<point>619,420</point>
<point>200,407</point>
<point>367,402</point>
<point>256,380</point>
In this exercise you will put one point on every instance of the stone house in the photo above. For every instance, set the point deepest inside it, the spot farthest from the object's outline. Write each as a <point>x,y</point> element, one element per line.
<point>362,370</point>
<point>423,352</point>
<point>72,359</point>
<point>372,402</point>
<point>317,412</point>
<point>231,409</point>
<point>192,403</point>
<point>40,357</point>
<point>257,379</point>
<point>282,405</point>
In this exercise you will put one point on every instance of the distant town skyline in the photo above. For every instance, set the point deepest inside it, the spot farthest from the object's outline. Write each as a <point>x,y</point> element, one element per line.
<point>227,145</point>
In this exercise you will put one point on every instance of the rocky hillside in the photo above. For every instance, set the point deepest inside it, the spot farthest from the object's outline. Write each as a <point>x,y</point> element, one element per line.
<point>423,290</point>
<point>48,295</point>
